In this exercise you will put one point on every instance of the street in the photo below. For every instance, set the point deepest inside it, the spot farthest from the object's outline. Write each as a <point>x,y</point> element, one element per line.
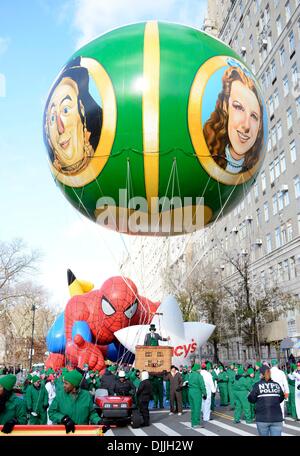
<point>221,424</point>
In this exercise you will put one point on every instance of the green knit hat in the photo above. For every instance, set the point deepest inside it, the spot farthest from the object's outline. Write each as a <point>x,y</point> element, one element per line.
<point>258,364</point>
<point>240,371</point>
<point>274,362</point>
<point>208,366</point>
<point>293,367</point>
<point>8,381</point>
<point>250,371</point>
<point>74,377</point>
<point>35,378</point>
<point>196,367</point>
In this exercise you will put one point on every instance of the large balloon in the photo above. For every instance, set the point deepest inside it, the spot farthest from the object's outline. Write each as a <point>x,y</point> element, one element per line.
<point>152,118</point>
<point>84,332</point>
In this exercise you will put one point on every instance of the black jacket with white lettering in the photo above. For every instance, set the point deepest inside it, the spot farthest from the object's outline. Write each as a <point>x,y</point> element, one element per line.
<point>267,396</point>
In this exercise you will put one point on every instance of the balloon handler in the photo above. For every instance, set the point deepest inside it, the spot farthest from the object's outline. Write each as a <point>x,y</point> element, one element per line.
<point>12,408</point>
<point>73,405</point>
<point>152,338</point>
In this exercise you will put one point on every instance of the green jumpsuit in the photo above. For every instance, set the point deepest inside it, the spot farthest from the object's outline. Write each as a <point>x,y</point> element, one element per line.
<point>291,404</point>
<point>231,375</point>
<point>242,387</point>
<point>213,395</point>
<point>15,407</point>
<point>37,401</point>
<point>79,407</point>
<point>223,387</point>
<point>185,390</point>
<point>196,391</point>
<point>157,391</point>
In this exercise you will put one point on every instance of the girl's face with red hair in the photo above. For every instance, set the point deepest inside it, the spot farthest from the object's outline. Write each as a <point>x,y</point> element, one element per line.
<point>244,119</point>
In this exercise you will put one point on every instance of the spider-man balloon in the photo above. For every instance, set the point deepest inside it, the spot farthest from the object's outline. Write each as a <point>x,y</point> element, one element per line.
<point>81,335</point>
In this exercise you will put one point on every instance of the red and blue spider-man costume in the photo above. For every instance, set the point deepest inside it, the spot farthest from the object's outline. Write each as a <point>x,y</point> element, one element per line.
<point>90,319</point>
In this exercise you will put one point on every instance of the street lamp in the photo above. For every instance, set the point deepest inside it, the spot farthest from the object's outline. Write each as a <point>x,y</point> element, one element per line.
<point>31,349</point>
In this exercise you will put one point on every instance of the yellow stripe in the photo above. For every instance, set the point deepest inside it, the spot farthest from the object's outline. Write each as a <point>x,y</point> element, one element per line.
<point>151,109</point>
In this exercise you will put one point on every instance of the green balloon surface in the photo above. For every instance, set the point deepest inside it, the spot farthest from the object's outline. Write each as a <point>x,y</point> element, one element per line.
<point>158,110</point>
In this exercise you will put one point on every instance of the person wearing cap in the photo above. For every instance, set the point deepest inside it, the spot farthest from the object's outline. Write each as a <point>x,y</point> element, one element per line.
<point>73,405</point>
<point>210,388</point>
<point>241,388</point>
<point>197,391</point>
<point>185,390</point>
<point>291,404</point>
<point>108,380</point>
<point>222,380</point>
<point>267,395</point>
<point>157,390</point>
<point>251,379</point>
<point>175,389</point>
<point>279,376</point>
<point>50,387</point>
<point>123,386</point>
<point>37,401</point>
<point>152,338</point>
<point>12,408</point>
<point>144,396</point>
<point>258,365</point>
<point>231,374</point>
<point>295,376</point>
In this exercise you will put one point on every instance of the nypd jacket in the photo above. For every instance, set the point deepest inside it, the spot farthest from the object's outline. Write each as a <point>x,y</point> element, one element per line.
<point>267,396</point>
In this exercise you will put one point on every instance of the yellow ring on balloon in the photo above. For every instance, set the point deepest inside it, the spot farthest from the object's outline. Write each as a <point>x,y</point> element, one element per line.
<point>196,128</point>
<point>108,131</point>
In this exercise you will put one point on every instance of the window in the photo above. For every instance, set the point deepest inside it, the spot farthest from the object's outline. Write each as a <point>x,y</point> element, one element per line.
<point>287,10</point>
<point>275,206</point>
<point>269,243</point>
<point>289,231</point>
<point>291,42</point>
<point>267,14</point>
<point>285,83</point>
<point>293,268</point>
<point>266,211</point>
<point>289,118</point>
<point>282,162</point>
<point>294,75</point>
<point>280,201</point>
<point>298,107</point>
<point>271,105</point>
<point>276,99</point>
<point>277,237</point>
<point>258,217</point>
<point>263,182</point>
<point>274,137</point>
<point>272,175</point>
<point>297,186</point>
<point>279,25</point>
<point>282,56</point>
<point>286,198</point>
<point>279,130</point>
<point>293,151</point>
<point>286,270</point>
<point>256,190</point>
<point>277,167</point>
<point>273,70</point>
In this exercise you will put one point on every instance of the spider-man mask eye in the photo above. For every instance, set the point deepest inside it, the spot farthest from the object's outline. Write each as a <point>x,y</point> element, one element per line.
<point>107,307</point>
<point>131,310</point>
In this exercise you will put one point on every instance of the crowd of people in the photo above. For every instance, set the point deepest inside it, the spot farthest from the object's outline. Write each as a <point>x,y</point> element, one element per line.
<point>67,396</point>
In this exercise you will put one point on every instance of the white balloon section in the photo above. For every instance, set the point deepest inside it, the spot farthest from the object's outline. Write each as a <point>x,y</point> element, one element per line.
<point>185,337</point>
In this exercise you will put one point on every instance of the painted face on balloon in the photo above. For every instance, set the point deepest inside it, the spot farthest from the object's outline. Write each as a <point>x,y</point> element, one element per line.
<point>244,118</point>
<point>65,128</point>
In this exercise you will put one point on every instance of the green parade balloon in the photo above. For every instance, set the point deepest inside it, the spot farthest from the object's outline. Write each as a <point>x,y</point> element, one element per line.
<point>155,129</point>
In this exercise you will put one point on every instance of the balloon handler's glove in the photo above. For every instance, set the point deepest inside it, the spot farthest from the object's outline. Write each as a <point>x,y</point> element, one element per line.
<point>104,428</point>
<point>204,397</point>
<point>298,387</point>
<point>9,425</point>
<point>69,424</point>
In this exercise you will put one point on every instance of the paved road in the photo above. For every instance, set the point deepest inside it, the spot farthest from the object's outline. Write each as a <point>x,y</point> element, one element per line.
<point>221,424</point>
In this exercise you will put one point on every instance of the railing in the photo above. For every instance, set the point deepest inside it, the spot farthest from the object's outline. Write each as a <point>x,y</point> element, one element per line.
<point>53,430</point>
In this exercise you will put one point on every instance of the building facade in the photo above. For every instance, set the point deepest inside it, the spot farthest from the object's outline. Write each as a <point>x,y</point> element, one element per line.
<point>266,223</point>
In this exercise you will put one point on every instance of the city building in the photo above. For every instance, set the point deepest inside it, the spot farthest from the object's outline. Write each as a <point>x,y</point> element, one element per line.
<point>266,223</point>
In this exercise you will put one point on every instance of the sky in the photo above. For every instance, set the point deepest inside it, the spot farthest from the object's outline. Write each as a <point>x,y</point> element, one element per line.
<point>37,37</point>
